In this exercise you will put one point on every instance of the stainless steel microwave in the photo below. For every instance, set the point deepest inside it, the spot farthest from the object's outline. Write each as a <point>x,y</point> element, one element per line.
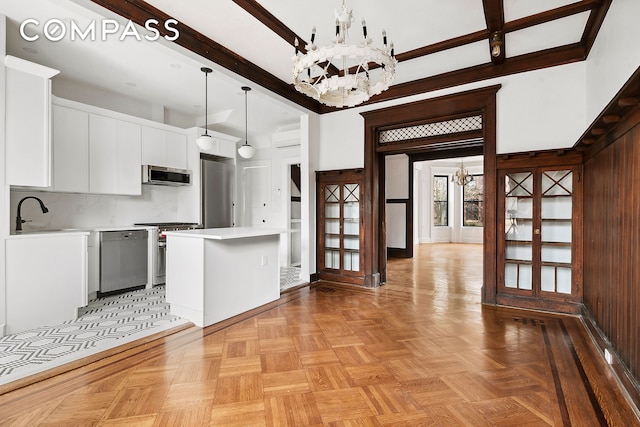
<point>160,175</point>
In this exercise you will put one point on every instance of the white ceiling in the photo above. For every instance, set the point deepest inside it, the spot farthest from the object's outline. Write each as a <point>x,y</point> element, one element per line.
<point>165,74</point>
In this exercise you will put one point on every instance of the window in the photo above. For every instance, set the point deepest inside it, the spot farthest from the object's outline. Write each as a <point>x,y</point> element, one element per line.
<point>472,195</point>
<point>440,200</point>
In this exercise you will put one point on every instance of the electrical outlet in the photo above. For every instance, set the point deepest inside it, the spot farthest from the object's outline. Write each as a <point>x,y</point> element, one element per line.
<point>608,356</point>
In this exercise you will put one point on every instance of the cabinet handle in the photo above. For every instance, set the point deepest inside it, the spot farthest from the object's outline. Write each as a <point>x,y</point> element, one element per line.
<point>536,231</point>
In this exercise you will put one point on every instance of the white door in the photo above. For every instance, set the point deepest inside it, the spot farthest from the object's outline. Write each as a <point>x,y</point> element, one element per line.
<point>256,188</point>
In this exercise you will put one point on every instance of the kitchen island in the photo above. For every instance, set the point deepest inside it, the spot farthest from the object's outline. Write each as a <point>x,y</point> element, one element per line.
<point>217,273</point>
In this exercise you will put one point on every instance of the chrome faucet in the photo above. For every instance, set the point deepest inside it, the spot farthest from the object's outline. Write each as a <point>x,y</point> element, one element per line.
<point>19,220</point>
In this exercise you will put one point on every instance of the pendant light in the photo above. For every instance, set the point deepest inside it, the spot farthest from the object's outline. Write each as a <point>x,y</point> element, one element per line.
<point>205,142</point>
<point>246,151</point>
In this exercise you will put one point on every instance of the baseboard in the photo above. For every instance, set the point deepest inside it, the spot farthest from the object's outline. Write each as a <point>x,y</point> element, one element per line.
<point>626,380</point>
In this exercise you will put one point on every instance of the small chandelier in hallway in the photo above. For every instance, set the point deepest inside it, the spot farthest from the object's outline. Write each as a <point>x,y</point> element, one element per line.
<point>462,176</point>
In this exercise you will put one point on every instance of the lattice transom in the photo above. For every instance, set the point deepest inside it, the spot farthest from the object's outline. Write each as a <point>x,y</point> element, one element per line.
<point>464,124</point>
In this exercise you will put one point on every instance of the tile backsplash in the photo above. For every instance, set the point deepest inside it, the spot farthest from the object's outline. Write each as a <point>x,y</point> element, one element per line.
<point>69,210</point>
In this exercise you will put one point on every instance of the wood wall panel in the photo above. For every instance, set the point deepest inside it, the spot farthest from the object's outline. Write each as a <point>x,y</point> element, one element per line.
<point>612,245</point>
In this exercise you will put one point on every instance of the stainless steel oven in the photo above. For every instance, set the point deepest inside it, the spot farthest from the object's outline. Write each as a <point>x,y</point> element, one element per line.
<point>160,266</point>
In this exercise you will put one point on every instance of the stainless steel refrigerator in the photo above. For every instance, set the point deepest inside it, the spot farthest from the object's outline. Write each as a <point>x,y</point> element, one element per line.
<point>217,193</point>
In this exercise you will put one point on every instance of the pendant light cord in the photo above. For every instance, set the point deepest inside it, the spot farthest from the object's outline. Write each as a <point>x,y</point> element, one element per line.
<point>206,71</point>
<point>246,115</point>
<point>206,102</point>
<point>246,119</point>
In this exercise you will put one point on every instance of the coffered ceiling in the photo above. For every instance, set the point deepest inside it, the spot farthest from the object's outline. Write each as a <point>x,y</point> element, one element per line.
<point>438,44</point>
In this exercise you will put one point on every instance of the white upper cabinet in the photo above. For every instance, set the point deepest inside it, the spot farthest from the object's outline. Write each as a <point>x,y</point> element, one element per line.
<point>28,123</point>
<point>70,150</point>
<point>114,156</point>
<point>223,145</point>
<point>164,148</point>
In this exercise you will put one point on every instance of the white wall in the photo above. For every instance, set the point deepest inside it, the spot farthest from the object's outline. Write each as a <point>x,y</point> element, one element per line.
<point>92,95</point>
<point>310,150</point>
<point>538,110</point>
<point>4,189</point>
<point>423,204</point>
<point>615,55</point>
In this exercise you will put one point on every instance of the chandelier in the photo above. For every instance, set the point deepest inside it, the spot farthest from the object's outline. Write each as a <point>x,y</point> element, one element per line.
<point>344,74</point>
<point>462,176</point>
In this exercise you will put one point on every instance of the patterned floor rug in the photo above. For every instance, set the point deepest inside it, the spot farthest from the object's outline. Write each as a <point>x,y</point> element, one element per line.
<point>105,323</point>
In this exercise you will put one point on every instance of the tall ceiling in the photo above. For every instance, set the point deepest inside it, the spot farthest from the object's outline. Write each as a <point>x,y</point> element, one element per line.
<point>437,43</point>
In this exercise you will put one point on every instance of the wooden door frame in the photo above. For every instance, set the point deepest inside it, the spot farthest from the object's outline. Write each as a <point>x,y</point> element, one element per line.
<point>479,101</point>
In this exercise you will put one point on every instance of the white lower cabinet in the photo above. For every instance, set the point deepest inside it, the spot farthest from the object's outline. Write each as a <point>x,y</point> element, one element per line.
<point>46,279</point>
<point>114,156</point>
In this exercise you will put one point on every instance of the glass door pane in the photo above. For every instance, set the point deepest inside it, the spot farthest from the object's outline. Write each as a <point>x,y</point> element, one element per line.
<point>518,230</point>
<point>351,230</point>
<point>332,226</point>
<point>556,231</point>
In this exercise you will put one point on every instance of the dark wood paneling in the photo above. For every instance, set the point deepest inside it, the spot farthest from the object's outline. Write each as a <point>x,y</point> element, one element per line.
<point>612,245</point>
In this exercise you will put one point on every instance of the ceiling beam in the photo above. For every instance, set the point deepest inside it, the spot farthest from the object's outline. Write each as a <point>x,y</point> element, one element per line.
<point>494,17</point>
<point>532,61</point>
<point>139,12</point>
<point>551,15</point>
<point>270,21</point>
<point>596,18</point>
<point>443,45</point>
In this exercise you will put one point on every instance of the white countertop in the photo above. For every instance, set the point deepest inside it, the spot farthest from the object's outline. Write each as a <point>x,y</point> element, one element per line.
<point>46,233</point>
<point>227,233</point>
<point>85,230</point>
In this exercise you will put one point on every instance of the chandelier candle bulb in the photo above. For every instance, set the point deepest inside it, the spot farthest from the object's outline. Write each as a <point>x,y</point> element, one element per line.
<point>313,35</point>
<point>295,43</point>
<point>364,28</point>
<point>384,38</point>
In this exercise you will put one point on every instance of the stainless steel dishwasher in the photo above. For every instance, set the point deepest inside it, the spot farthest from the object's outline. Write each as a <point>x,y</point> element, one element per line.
<point>123,260</point>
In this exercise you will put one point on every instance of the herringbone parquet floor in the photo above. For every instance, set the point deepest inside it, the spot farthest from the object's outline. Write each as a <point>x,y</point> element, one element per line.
<point>419,351</point>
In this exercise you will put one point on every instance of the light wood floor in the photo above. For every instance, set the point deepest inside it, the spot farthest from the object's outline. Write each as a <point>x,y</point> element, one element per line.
<point>420,350</point>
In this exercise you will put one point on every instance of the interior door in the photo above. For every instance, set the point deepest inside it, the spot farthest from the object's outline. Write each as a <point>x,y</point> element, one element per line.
<point>399,206</point>
<point>256,188</point>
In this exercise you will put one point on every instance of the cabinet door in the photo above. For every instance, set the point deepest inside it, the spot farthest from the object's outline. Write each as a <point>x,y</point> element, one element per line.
<point>175,150</point>
<point>227,149</point>
<point>128,165</point>
<point>70,150</point>
<point>114,156</point>
<point>102,154</point>
<point>556,208</point>
<point>164,148</point>
<point>539,238</point>
<point>518,233</point>
<point>28,125</point>
<point>341,228</point>
<point>153,148</point>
